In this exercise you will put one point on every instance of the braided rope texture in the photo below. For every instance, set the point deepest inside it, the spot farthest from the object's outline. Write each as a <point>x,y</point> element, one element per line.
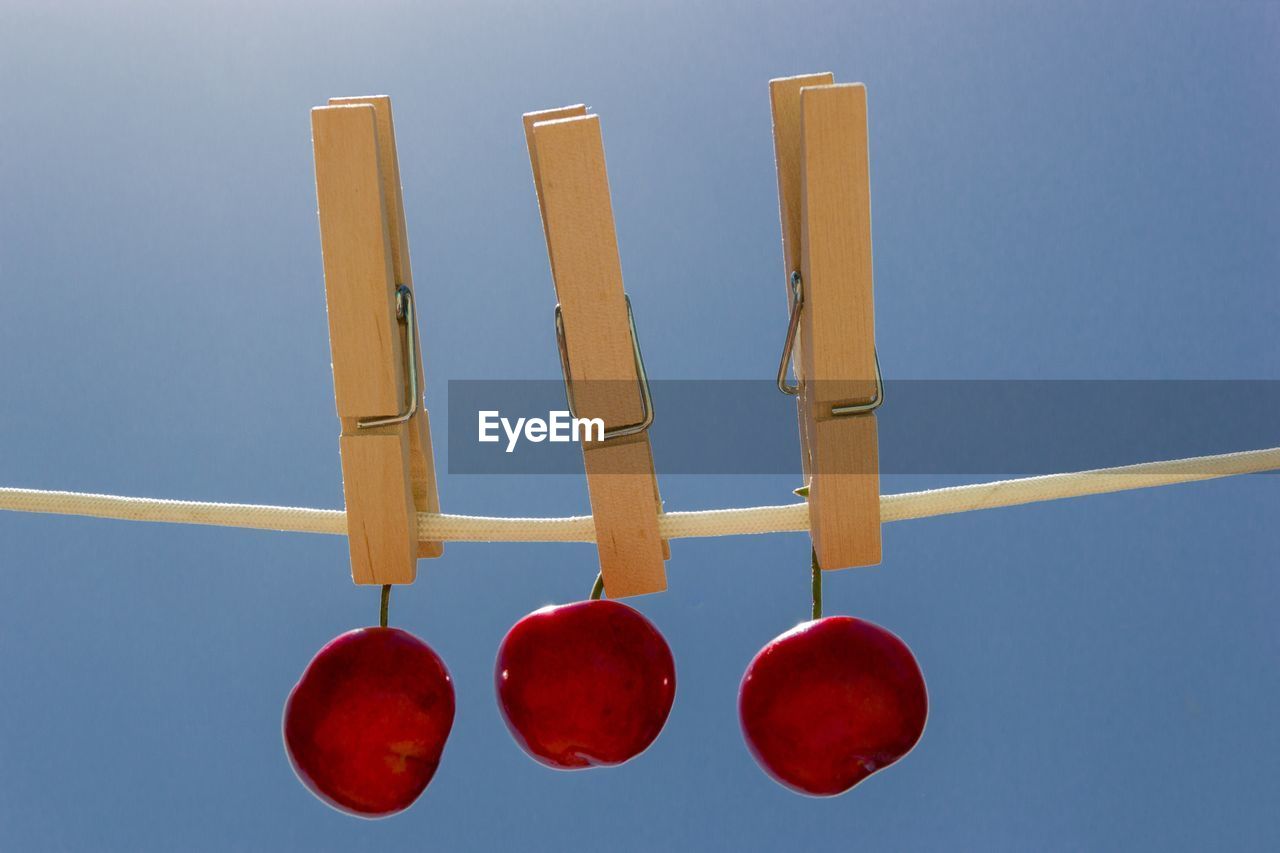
<point>672,525</point>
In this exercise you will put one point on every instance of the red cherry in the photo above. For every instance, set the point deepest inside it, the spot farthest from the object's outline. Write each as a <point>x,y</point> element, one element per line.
<point>585,685</point>
<point>366,723</point>
<point>830,702</point>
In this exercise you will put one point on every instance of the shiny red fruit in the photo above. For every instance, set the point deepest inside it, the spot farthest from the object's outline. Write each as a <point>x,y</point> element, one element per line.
<point>585,685</point>
<point>830,702</point>
<point>365,725</point>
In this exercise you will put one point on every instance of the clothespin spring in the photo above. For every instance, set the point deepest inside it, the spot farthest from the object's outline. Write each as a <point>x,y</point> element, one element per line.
<point>646,399</point>
<point>793,326</point>
<point>404,314</point>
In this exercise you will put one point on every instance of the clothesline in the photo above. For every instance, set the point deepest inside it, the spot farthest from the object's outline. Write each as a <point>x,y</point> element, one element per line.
<point>438,527</point>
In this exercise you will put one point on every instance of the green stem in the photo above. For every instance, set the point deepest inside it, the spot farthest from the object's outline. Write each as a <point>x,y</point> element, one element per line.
<point>817,586</point>
<point>597,589</point>
<point>386,600</point>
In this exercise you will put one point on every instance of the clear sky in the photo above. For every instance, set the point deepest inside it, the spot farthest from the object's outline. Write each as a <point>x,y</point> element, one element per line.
<point>1076,193</point>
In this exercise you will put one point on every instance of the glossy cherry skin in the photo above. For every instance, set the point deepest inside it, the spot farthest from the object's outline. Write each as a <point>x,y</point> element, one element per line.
<point>582,685</point>
<point>830,702</point>
<point>366,723</point>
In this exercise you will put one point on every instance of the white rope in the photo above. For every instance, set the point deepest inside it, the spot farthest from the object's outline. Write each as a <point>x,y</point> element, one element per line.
<point>437,527</point>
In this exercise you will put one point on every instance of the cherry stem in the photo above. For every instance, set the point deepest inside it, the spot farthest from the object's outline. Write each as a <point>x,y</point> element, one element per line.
<point>817,586</point>
<point>597,589</point>
<point>386,600</point>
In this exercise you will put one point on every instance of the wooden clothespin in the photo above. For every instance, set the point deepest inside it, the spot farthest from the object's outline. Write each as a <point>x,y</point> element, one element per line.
<point>820,139</point>
<point>604,373</point>
<point>388,473</point>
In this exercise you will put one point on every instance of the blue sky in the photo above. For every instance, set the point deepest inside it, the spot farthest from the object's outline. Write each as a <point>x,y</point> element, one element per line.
<point>1072,193</point>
